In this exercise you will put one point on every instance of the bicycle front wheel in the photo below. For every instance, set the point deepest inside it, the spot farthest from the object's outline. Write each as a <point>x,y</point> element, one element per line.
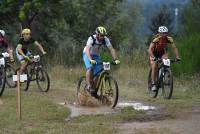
<point>10,71</point>
<point>152,94</point>
<point>167,84</point>
<point>2,80</point>
<point>110,91</point>
<point>81,88</point>
<point>42,79</point>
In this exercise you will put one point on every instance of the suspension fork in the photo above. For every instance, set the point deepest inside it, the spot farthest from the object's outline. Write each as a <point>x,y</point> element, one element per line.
<point>101,81</point>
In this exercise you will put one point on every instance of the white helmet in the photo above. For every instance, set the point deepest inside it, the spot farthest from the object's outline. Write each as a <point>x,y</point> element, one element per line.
<point>162,29</point>
<point>2,32</point>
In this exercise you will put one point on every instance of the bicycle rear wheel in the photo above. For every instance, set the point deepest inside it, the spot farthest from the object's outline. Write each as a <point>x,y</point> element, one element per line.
<point>42,79</point>
<point>10,71</point>
<point>152,94</point>
<point>2,80</point>
<point>167,84</point>
<point>109,91</point>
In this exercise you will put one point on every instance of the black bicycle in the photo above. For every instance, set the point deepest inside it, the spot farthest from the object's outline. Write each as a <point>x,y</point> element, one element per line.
<point>106,86</point>
<point>6,72</point>
<point>36,72</point>
<point>164,79</point>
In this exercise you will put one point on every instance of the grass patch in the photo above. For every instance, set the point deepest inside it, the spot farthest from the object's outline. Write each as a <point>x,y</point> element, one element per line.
<point>38,113</point>
<point>42,114</point>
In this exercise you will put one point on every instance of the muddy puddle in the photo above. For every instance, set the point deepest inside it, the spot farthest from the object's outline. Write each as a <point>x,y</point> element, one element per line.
<point>81,110</point>
<point>88,105</point>
<point>77,110</point>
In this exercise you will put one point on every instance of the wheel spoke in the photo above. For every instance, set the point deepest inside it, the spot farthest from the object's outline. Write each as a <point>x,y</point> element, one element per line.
<point>43,81</point>
<point>110,92</point>
<point>2,80</point>
<point>10,71</point>
<point>152,94</point>
<point>167,84</point>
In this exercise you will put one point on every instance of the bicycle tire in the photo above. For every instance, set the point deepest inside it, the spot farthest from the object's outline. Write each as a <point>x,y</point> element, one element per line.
<point>10,71</point>
<point>39,79</point>
<point>24,85</point>
<point>167,81</point>
<point>152,94</point>
<point>111,91</point>
<point>81,86</point>
<point>2,79</point>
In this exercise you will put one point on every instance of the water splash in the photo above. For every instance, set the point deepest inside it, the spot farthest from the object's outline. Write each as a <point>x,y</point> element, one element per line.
<point>136,105</point>
<point>84,110</point>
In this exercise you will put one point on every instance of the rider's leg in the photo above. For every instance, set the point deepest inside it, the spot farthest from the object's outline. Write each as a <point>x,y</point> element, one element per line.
<point>22,61</point>
<point>10,51</point>
<point>89,73</point>
<point>154,68</point>
<point>95,79</point>
<point>23,67</point>
<point>97,68</point>
<point>89,77</point>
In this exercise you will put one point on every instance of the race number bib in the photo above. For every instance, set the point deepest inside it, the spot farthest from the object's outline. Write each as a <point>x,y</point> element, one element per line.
<point>2,61</point>
<point>106,65</point>
<point>36,58</point>
<point>166,62</point>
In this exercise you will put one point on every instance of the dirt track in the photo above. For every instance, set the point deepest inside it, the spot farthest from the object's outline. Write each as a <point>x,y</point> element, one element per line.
<point>183,123</point>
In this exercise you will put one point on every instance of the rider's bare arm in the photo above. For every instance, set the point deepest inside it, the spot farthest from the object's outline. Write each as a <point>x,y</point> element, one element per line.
<point>87,51</point>
<point>10,52</point>
<point>112,51</point>
<point>8,47</point>
<point>40,47</point>
<point>175,50</point>
<point>19,48</point>
<point>151,49</point>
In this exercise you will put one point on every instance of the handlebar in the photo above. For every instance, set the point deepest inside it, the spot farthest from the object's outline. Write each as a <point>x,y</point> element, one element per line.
<point>171,60</point>
<point>35,58</point>
<point>111,62</point>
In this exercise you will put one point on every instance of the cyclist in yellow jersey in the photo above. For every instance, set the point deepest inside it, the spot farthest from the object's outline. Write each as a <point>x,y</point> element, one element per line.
<point>158,50</point>
<point>22,50</point>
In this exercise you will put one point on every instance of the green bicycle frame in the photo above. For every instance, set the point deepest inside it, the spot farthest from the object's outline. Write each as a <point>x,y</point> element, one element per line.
<point>101,80</point>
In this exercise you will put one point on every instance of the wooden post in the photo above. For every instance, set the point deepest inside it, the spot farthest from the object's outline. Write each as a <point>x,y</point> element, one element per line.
<point>18,96</point>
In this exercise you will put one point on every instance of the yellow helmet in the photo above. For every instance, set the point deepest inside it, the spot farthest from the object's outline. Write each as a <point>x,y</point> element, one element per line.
<point>26,31</point>
<point>101,30</point>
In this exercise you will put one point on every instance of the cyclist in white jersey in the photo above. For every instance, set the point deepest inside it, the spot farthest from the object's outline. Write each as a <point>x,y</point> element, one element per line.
<point>91,55</point>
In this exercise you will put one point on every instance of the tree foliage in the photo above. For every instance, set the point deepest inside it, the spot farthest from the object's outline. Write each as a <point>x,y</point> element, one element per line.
<point>188,43</point>
<point>162,18</point>
<point>63,26</point>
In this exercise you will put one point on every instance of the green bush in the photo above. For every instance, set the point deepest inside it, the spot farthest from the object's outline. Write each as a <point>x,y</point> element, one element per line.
<point>189,48</point>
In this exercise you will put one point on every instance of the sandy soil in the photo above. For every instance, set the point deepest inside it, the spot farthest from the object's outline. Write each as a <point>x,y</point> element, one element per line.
<point>183,123</point>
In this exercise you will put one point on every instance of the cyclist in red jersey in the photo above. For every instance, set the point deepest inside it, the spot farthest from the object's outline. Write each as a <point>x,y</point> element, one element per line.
<point>158,50</point>
<point>4,45</point>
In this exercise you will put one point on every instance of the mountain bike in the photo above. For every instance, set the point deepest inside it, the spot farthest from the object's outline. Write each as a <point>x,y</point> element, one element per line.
<point>36,72</point>
<point>6,72</point>
<point>164,79</point>
<point>106,86</point>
